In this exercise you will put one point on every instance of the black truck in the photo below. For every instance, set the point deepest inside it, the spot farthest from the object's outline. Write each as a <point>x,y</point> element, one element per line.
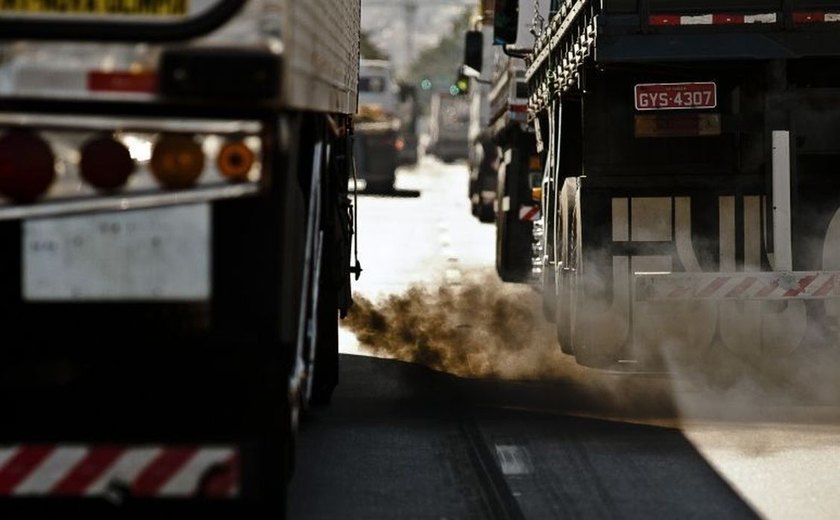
<point>689,199</point>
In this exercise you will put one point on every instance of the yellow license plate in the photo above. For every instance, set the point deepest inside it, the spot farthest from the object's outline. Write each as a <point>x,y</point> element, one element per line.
<point>96,7</point>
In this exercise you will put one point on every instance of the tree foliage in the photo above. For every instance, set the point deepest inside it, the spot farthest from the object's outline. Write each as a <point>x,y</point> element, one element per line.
<point>370,50</point>
<point>440,63</point>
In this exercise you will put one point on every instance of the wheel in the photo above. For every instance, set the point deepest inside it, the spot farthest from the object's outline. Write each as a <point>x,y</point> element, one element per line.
<point>330,281</point>
<point>513,236</point>
<point>325,371</point>
<point>486,213</point>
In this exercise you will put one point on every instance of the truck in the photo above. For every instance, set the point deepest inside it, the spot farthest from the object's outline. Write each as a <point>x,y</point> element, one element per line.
<point>483,152</point>
<point>409,115</point>
<point>689,205</point>
<point>176,222</point>
<point>508,165</point>
<point>449,117</point>
<point>378,126</point>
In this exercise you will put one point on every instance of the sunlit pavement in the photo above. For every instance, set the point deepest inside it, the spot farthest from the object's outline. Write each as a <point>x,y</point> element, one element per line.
<point>782,458</point>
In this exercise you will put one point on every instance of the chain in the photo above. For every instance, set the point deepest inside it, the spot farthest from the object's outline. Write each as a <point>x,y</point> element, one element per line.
<point>538,23</point>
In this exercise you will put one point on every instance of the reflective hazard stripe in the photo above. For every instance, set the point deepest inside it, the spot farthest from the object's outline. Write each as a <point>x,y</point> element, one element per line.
<point>146,471</point>
<point>529,213</point>
<point>711,19</point>
<point>815,17</point>
<point>738,286</point>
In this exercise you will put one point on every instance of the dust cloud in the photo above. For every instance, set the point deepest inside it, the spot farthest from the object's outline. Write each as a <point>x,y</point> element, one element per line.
<point>495,332</point>
<point>479,328</point>
<point>483,328</point>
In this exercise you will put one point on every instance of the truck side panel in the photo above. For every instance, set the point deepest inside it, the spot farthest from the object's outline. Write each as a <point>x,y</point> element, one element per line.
<point>319,38</point>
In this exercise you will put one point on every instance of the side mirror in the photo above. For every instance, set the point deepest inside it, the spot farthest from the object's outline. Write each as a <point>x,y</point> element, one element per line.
<point>474,50</point>
<point>407,93</point>
<point>505,22</point>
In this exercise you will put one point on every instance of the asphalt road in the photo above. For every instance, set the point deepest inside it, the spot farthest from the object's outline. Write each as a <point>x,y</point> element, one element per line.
<point>400,441</point>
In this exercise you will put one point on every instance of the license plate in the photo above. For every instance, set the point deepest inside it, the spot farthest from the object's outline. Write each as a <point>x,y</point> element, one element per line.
<point>676,96</point>
<point>156,254</point>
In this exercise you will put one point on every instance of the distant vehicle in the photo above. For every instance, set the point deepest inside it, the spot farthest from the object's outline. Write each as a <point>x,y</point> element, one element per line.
<point>377,140</point>
<point>449,127</point>
<point>506,164</point>
<point>409,113</point>
<point>483,156</point>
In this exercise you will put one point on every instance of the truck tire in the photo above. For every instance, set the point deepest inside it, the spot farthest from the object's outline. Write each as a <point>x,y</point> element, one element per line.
<point>334,277</point>
<point>513,237</point>
<point>325,371</point>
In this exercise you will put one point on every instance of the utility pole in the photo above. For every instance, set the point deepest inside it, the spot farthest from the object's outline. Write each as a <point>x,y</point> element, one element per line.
<point>410,21</point>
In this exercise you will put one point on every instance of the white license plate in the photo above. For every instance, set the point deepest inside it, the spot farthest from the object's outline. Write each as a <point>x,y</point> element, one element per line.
<point>676,96</point>
<point>155,254</point>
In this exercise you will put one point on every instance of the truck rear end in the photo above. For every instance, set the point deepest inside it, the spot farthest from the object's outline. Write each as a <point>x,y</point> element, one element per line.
<point>378,126</point>
<point>176,226</point>
<point>689,148</point>
<point>450,119</point>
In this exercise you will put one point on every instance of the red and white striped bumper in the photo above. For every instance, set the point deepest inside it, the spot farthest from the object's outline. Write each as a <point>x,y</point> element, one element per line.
<point>801,285</point>
<point>140,471</point>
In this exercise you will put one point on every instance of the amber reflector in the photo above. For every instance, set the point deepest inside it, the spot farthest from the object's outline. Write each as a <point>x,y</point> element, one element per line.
<point>177,161</point>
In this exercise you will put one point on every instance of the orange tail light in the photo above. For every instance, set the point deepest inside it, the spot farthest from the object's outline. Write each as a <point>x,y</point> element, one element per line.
<point>235,161</point>
<point>177,161</point>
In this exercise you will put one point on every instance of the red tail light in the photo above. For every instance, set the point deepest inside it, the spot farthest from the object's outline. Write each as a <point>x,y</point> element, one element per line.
<point>27,166</point>
<point>106,164</point>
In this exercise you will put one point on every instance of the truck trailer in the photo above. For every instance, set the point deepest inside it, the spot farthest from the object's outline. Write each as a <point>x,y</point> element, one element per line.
<point>689,199</point>
<point>176,227</point>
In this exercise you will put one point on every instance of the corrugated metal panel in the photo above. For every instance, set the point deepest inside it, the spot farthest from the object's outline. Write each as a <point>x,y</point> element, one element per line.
<point>321,48</point>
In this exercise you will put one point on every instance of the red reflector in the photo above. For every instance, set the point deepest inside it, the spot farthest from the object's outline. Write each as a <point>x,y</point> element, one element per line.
<point>123,81</point>
<point>808,17</point>
<point>106,164</point>
<point>664,20</point>
<point>519,108</point>
<point>27,166</point>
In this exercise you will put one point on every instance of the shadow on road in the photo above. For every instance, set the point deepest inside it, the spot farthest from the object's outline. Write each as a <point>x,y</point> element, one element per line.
<point>392,192</point>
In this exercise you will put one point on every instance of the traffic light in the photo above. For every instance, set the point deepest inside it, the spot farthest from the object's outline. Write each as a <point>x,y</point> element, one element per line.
<point>461,86</point>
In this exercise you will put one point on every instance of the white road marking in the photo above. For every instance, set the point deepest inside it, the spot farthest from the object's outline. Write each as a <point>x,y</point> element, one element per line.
<point>514,460</point>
